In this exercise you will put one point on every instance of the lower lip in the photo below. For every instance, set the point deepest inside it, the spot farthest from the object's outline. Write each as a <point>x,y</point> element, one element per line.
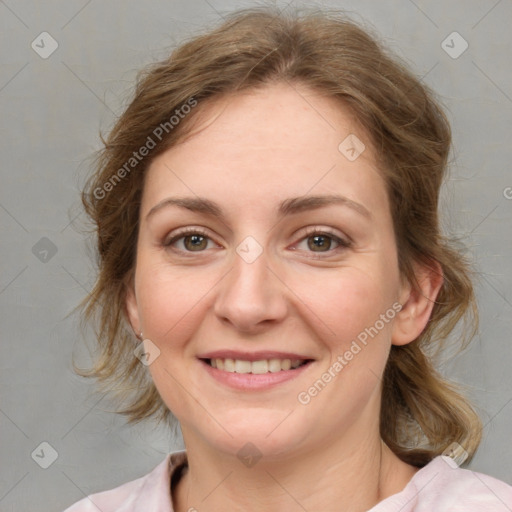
<point>253,381</point>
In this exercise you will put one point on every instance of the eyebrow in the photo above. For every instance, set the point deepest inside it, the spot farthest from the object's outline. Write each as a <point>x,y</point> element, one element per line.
<point>289,206</point>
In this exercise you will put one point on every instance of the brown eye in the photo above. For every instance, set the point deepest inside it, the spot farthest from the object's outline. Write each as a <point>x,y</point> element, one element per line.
<point>320,243</point>
<point>195,242</point>
<point>191,240</point>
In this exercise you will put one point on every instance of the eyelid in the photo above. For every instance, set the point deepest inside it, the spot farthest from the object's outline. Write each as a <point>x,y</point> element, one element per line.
<point>343,241</point>
<point>322,230</point>
<point>171,239</point>
<point>312,230</point>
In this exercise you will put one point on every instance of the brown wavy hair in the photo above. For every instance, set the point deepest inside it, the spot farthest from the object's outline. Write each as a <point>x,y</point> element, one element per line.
<point>421,413</point>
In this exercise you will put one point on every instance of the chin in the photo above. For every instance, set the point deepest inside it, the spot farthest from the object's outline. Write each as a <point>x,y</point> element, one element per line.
<point>252,431</point>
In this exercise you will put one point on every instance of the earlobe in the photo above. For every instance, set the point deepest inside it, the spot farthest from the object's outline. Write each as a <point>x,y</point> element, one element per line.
<point>417,304</point>
<point>131,307</point>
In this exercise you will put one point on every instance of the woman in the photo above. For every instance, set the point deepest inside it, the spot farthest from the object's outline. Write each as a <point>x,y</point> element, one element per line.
<point>266,212</point>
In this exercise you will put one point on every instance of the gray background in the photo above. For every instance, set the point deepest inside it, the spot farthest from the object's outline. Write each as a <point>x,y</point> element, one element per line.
<point>51,113</point>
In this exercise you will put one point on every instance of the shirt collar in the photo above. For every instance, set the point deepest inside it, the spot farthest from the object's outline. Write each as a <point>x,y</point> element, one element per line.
<point>155,492</point>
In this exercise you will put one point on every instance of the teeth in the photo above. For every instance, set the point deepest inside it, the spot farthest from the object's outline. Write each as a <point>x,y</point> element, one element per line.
<point>286,364</point>
<point>243,366</point>
<point>274,365</point>
<point>229,365</point>
<point>259,366</point>
<point>256,367</point>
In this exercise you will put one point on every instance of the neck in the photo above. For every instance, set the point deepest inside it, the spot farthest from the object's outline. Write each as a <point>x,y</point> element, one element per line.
<point>332,477</point>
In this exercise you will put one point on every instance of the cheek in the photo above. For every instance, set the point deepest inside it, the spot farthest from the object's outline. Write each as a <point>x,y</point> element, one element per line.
<point>346,302</point>
<point>171,301</point>
<point>172,306</point>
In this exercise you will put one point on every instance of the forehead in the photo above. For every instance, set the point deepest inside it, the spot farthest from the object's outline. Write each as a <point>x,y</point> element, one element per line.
<point>266,145</point>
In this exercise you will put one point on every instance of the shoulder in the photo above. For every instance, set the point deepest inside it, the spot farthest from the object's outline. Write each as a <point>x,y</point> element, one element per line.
<point>150,492</point>
<point>444,487</point>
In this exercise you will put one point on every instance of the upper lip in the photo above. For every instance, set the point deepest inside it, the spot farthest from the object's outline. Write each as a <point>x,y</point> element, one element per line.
<point>252,356</point>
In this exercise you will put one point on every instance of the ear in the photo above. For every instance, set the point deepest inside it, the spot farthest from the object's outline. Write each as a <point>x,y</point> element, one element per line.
<point>417,303</point>
<point>131,306</point>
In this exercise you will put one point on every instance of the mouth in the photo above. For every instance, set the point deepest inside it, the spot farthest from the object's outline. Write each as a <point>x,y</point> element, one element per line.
<point>254,371</point>
<point>258,367</point>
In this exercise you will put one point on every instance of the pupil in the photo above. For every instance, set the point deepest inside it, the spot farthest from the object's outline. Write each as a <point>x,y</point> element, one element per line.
<point>320,241</point>
<point>196,241</point>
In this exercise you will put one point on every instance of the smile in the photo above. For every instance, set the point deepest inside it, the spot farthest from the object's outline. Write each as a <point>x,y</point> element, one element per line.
<point>254,371</point>
<point>255,367</point>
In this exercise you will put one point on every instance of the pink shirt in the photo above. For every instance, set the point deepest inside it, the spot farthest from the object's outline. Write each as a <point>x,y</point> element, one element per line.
<point>437,487</point>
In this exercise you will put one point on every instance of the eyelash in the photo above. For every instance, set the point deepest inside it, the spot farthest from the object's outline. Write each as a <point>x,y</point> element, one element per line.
<point>343,244</point>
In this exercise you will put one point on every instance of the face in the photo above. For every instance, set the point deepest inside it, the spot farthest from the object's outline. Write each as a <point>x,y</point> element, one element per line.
<point>261,240</point>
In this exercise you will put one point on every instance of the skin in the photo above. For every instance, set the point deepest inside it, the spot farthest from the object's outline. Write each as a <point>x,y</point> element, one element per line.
<point>253,151</point>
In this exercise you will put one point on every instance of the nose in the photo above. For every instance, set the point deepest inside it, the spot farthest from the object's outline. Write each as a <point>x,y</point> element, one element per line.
<point>251,296</point>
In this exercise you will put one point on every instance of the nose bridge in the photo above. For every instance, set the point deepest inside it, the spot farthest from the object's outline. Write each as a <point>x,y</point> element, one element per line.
<point>249,294</point>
